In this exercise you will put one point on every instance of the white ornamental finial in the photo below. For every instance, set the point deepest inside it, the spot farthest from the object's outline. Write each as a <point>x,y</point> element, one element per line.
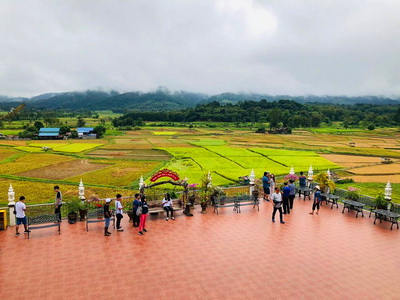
<point>141,182</point>
<point>11,195</point>
<point>310,173</point>
<point>81,190</point>
<point>209,179</point>
<point>291,171</point>
<point>388,191</point>
<point>252,177</point>
<point>329,174</point>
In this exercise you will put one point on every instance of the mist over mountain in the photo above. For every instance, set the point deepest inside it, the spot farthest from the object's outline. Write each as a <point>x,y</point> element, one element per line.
<point>162,99</point>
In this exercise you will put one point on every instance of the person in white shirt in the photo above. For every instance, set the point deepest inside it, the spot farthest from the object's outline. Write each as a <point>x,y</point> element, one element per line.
<point>167,205</point>
<point>20,209</point>
<point>118,212</point>
<point>277,200</point>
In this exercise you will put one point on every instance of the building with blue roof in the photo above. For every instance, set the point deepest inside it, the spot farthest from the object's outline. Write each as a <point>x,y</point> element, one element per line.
<point>49,133</point>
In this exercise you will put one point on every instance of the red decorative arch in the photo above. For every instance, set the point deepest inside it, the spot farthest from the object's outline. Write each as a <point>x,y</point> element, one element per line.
<point>165,173</point>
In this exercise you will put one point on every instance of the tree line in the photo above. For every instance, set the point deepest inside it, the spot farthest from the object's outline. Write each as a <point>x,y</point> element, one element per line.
<point>282,113</point>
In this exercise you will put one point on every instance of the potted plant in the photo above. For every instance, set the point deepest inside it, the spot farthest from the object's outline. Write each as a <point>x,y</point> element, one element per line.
<point>73,208</point>
<point>326,185</point>
<point>82,210</point>
<point>192,193</point>
<point>380,201</point>
<point>215,192</point>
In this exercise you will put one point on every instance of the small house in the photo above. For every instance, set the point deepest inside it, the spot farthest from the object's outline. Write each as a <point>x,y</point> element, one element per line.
<point>49,133</point>
<point>86,133</point>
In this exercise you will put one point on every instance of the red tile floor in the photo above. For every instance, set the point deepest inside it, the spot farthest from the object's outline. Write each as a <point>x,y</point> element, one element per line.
<point>230,256</point>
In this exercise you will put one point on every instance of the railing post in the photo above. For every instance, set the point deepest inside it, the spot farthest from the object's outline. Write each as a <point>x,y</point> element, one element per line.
<point>252,181</point>
<point>81,190</point>
<point>388,195</point>
<point>11,204</point>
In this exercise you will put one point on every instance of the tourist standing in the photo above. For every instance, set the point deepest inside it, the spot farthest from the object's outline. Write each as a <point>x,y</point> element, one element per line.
<point>277,200</point>
<point>272,182</point>
<point>58,202</point>
<point>317,200</point>
<point>285,196</point>
<point>167,205</point>
<point>118,212</point>
<point>107,217</point>
<point>292,192</point>
<point>135,205</point>
<point>20,209</point>
<point>302,180</point>
<point>266,186</point>
<point>145,209</point>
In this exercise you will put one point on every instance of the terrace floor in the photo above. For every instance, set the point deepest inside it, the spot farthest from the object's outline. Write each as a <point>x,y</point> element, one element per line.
<point>230,256</point>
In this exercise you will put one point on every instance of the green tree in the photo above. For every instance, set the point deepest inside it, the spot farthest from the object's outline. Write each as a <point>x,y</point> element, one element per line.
<point>38,124</point>
<point>64,129</point>
<point>99,130</point>
<point>81,122</point>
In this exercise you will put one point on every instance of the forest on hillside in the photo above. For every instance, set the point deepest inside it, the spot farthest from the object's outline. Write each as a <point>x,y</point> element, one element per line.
<point>282,113</point>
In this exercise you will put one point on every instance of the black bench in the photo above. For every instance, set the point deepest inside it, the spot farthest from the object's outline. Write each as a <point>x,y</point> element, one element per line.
<point>225,201</point>
<point>306,191</point>
<point>330,198</point>
<point>386,215</point>
<point>245,200</point>
<point>353,205</point>
<point>236,202</point>
<point>97,216</point>
<point>43,221</point>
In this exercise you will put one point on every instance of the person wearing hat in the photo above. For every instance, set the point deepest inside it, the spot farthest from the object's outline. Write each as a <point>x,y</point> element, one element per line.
<point>317,199</point>
<point>107,217</point>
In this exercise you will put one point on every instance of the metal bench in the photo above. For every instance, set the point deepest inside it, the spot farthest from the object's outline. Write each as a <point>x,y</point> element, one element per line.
<point>43,221</point>
<point>97,216</point>
<point>245,200</point>
<point>353,205</point>
<point>330,198</point>
<point>389,216</point>
<point>306,191</point>
<point>224,201</point>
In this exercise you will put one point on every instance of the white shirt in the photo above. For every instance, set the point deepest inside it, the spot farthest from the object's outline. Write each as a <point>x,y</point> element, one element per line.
<point>118,207</point>
<point>166,203</point>
<point>20,209</point>
<point>277,197</point>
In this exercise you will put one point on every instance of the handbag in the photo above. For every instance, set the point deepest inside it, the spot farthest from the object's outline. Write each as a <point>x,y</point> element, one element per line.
<point>139,211</point>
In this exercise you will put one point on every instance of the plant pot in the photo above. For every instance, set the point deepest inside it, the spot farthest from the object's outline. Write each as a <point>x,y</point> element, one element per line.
<point>192,198</point>
<point>72,217</point>
<point>203,207</point>
<point>82,214</point>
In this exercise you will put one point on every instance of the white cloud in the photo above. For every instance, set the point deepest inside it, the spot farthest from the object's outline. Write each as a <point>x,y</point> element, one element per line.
<point>278,47</point>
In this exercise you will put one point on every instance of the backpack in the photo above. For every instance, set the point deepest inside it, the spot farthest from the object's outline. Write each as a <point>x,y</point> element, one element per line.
<point>139,211</point>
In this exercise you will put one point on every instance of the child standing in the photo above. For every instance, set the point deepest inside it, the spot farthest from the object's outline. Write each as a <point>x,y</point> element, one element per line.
<point>143,216</point>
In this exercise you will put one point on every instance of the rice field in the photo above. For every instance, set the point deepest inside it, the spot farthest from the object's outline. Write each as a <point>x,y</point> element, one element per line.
<point>110,165</point>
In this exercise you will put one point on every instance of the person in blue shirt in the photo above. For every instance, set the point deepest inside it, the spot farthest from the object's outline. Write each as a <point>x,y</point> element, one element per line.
<point>302,180</point>
<point>266,185</point>
<point>292,193</point>
<point>136,203</point>
<point>285,196</point>
<point>317,199</point>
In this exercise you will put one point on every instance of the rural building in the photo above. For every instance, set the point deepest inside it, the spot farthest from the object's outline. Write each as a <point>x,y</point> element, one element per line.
<point>86,133</point>
<point>49,133</point>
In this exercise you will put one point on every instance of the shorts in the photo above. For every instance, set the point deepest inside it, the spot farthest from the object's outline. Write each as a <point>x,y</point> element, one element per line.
<point>267,191</point>
<point>21,221</point>
<point>107,222</point>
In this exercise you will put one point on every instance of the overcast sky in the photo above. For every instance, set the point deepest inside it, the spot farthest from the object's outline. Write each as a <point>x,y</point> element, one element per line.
<point>293,47</point>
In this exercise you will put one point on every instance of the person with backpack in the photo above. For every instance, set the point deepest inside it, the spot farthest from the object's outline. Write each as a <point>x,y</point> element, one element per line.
<point>143,210</point>
<point>107,217</point>
<point>277,200</point>
<point>135,205</point>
